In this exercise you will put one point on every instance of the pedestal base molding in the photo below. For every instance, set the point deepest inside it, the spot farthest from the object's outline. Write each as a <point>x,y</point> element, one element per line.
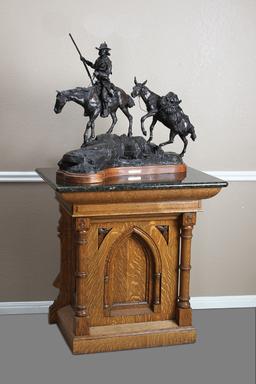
<point>123,336</point>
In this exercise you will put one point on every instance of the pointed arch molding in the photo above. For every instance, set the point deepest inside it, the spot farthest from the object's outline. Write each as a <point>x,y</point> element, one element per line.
<point>120,270</point>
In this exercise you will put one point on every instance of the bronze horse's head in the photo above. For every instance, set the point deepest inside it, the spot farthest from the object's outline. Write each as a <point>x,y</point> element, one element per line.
<point>61,100</point>
<point>139,88</point>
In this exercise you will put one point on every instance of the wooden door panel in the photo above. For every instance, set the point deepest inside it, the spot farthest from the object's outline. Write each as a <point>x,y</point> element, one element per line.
<point>128,273</point>
<point>133,271</point>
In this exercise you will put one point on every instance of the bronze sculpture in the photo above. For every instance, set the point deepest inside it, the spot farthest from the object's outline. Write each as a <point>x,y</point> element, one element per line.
<point>90,100</point>
<point>165,109</point>
<point>103,98</point>
<point>102,70</point>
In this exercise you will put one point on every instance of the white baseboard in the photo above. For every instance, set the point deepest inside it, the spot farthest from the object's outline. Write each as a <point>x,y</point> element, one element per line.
<point>223,302</point>
<point>206,302</point>
<point>31,176</point>
<point>20,177</point>
<point>24,307</point>
<point>234,175</point>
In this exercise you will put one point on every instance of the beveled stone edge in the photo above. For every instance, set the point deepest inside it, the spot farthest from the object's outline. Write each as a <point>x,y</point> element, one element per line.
<point>32,176</point>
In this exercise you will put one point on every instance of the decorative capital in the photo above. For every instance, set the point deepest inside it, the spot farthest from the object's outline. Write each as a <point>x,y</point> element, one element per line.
<point>82,224</point>
<point>188,219</point>
<point>82,227</point>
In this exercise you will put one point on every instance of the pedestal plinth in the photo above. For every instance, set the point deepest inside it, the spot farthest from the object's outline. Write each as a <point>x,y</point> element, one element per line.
<point>125,260</point>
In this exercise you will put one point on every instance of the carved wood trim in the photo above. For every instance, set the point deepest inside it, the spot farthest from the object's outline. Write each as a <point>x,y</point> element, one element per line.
<point>81,327</point>
<point>188,220</point>
<point>164,230</point>
<point>102,233</point>
<point>63,279</point>
<point>157,277</point>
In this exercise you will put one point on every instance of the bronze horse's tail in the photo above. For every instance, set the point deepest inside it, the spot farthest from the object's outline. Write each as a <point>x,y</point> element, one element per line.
<point>192,131</point>
<point>130,102</point>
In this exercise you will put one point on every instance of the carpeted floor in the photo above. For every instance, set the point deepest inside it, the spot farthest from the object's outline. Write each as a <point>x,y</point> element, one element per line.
<point>33,352</point>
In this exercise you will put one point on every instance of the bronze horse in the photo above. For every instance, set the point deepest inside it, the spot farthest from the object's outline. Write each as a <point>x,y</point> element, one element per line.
<point>181,126</point>
<point>89,99</point>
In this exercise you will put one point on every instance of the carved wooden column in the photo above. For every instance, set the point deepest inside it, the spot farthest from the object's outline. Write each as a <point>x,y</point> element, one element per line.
<point>157,289</point>
<point>81,326</point>
<point>63,280</point>
<point>184,312</point>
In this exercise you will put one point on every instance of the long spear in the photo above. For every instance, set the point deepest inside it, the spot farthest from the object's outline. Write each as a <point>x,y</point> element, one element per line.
<point>87,70</point>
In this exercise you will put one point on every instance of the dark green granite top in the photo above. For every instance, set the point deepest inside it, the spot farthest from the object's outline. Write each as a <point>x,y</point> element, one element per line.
<point>193,179</point>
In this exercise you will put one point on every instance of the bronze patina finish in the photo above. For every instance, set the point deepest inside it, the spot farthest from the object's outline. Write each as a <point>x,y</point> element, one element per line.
<point>103,98</point>
<point>165,109</point>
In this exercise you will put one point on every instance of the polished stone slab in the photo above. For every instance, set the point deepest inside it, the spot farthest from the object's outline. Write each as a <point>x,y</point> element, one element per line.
<point>193,179</point>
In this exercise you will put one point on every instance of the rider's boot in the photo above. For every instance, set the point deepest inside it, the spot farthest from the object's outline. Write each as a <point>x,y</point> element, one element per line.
<point>104,110</point>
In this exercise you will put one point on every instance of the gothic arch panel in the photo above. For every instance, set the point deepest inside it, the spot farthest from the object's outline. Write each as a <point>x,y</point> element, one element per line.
<point>132,275</point>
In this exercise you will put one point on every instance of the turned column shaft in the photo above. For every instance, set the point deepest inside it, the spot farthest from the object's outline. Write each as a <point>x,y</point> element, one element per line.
<point>184,311</point>
<point>157,288</point>
<point>63,280</point>
<point>81,326</point>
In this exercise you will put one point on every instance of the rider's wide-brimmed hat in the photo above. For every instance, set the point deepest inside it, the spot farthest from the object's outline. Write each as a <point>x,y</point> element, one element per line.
<point>103,46</point>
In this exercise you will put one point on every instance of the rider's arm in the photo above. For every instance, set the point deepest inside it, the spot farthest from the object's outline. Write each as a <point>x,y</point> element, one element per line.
<point>87,62</point>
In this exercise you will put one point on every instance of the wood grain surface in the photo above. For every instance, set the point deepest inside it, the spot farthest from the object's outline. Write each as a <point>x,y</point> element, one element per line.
<point>125,336</point>
<point>125,268</point>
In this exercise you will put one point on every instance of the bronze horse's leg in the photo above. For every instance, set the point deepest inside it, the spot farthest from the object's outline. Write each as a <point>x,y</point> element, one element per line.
<point>149,114</point>
<point>114,121</point>
<point>91,124</point>
<point>171,138</point>
<point>151,128</point>
<point>88,126</point>
<point>129,117</point>
<point>93,118</point>
<point>185,141</point>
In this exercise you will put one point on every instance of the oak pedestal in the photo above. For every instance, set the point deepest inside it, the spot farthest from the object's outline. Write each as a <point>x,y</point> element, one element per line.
<point>125,261</point>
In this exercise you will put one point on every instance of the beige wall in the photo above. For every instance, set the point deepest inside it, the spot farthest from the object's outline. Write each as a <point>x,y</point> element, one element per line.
<point>224,247</point>
<point>29,246</point>
<point>204,50</point>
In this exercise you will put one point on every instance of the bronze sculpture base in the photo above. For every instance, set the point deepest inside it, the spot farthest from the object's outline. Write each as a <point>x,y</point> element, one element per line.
<point>111,157</point>
<point>175,172</point>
